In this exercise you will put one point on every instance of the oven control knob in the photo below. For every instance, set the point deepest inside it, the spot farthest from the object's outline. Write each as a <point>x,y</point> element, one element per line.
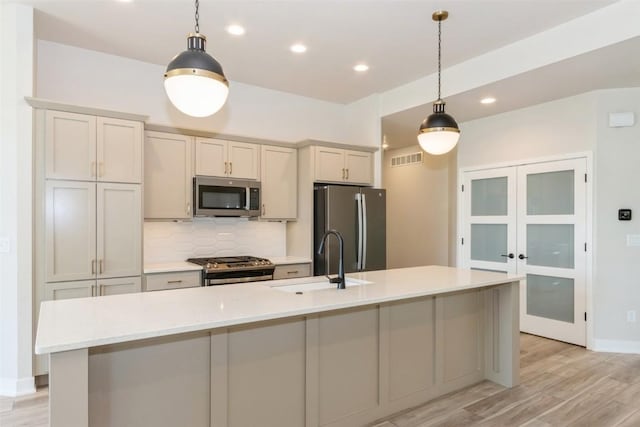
<point>215,265</point>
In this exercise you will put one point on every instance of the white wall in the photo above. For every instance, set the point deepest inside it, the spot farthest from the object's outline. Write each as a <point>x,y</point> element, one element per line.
<point>16,81</point>
<point>617,267</point>
<point>85,77</point>
<point>205,237</point>
<point>564,126</point>
<point>417,210</point>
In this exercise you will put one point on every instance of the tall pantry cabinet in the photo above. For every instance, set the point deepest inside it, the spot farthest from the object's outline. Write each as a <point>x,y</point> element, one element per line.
<point>88,207</point>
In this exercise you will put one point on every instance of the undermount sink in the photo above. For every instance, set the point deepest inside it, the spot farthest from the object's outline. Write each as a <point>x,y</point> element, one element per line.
<point>316,286</point>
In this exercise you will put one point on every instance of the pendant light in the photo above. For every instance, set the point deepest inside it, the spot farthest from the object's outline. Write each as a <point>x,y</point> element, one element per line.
<point>194,80</point>
<point>439,132</point>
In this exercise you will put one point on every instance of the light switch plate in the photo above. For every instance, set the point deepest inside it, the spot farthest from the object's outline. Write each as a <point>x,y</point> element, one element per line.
<point>633,239</point>
<point>4,245</point>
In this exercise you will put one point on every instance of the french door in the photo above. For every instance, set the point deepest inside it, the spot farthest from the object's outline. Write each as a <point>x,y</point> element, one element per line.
<point>531,220</point>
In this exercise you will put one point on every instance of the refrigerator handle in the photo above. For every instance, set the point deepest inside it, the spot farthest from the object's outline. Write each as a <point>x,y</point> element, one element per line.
<point>360,230</point>
<point>364,232</point>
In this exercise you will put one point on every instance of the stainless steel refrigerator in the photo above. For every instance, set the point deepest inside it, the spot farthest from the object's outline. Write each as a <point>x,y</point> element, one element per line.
<point>359,214</point>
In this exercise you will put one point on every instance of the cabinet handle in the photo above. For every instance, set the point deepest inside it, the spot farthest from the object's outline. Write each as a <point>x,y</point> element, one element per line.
<point>93,267</point>
<point>188,208</point>
<point>226,168</point>
<point>343,173</point>
<point>174,281</point>
<point>293,272</point>
<point>100,290</point>
<point>230,168</point>
<point>101,265</point>
<point>264,211</point>
<point>93,168</point>
<point>347,173</point>
<point>100,169</point>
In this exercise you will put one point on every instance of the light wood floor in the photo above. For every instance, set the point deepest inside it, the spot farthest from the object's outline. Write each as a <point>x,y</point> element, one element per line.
<point>562,385</point>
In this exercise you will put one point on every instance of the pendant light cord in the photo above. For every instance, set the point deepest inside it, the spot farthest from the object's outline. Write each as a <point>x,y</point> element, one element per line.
<point>439,54</point>
<point>197,17</point>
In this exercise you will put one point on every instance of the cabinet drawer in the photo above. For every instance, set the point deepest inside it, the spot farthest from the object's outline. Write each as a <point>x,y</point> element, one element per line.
<point>162,281</point>
<point>290,271</point>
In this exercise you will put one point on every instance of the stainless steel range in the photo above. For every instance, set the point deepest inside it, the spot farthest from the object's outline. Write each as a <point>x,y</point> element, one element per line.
<point>237,269</point>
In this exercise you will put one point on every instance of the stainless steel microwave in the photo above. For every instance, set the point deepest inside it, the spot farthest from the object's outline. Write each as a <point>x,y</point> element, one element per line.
<point>225,197</point>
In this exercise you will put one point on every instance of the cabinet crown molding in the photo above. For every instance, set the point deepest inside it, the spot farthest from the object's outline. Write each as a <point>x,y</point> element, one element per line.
<point>47,104</point>
<point>318,143</point>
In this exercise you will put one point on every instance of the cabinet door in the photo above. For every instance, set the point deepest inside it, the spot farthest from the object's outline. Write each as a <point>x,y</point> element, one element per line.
<point>70,146</point>
<point>329,164</point>
<point>69,290</point>
<point>244,160</point>
<point>211,157</point>
<point>119,225</point>
<point>70,237</point>
<point>359,167</point>
<point>279,179</point>
<point>167,176</point>
<point>122,285</point>
<point>119,150</point>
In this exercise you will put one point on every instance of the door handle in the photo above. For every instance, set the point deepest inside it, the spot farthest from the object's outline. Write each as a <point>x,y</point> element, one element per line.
<point>511,256</point>
<point>521,256</point>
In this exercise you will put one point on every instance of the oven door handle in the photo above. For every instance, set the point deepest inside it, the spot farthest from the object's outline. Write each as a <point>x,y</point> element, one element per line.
<point>230,280</point>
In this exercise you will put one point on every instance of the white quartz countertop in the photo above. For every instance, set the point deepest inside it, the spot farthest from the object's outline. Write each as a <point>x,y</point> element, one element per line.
<point>88,322</point>
<point>284,260</point>
<point>168,267</point>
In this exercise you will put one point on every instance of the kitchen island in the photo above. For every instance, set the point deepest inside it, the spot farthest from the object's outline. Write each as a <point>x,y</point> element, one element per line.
<point>273,354</point>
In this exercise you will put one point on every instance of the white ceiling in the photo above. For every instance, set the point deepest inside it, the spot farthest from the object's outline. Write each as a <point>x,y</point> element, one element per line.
<point>397,38</point>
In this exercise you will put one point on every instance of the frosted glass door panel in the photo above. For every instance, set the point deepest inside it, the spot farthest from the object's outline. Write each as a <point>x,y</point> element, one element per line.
<point>550,193</point>
<point>489,242</point>
<point>489,196</point>
<point>550,245</point>
<point>550,297</point>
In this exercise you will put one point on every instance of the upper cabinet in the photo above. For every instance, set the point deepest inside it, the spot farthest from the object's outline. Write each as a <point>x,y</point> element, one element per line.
<point>343,166</point>
<point>89,148</point>
<point>167,176</point>
<point>227,159</point>
<point>279,176</point>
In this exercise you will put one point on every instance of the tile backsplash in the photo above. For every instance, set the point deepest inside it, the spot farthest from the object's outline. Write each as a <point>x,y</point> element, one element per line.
<point>177,241</point>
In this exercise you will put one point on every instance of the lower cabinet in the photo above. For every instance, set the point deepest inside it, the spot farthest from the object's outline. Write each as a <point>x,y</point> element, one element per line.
<point>172,280</point>
<point>291,271</point>
<point>92,288</point>
<point>82,289</point>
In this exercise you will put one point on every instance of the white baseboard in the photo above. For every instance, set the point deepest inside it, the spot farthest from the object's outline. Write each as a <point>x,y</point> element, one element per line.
<point>17,387</point>
<point>614,346</point>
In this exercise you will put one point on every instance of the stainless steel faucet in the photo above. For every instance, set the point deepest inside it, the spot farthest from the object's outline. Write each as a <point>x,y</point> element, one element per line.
<point>340,279</point>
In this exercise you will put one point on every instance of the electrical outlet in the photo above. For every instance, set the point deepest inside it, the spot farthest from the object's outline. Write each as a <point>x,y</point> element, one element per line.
<point>631,316</point>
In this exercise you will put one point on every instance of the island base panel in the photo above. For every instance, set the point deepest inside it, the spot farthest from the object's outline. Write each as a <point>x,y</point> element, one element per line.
<point>338,368</point>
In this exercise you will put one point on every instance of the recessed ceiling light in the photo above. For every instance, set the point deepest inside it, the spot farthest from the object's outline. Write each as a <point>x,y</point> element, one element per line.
<point>361,68</point>
<point>298,48</point>
<point>235,30</point>
<point>488,100</point>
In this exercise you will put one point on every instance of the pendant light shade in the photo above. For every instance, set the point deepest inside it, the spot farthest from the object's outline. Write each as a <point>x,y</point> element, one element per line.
<point>439,132</point>
<point>194,80</point>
